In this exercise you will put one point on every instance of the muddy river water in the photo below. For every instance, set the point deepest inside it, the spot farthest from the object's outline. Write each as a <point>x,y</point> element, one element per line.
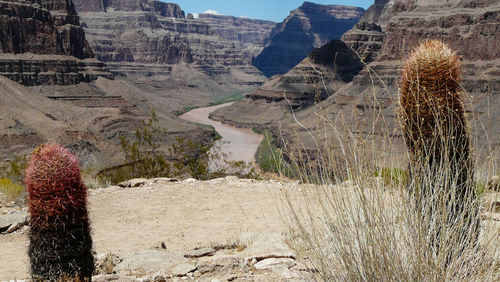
<point>243,143</point>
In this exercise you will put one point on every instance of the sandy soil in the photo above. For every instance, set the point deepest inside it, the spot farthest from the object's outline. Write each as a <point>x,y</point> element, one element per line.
<point>183,215</point>
<point>243,143</point>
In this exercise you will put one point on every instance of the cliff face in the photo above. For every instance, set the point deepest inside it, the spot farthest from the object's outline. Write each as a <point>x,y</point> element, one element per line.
<point>156,7</point>
<point>308,27</point>
<point>242,30</point>
<point>146,36</point>
<point>50,32</point>
<point>42,27</point>
<point>367,35</point>
<point>249,35</point>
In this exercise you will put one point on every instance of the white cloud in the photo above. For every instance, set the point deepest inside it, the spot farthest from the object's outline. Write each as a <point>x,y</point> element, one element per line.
<point>196,15</point>
<point>210,11</point>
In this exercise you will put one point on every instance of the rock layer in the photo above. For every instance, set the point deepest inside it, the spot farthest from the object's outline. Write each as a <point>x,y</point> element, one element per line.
<point>50,32</point>
<point>130,34</point>
<point>321,74</point>
<point>308,27</point>
<point>249,34</point>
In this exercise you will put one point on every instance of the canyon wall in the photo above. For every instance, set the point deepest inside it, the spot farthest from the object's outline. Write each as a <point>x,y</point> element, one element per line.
<point>307,27</point>
<point>41,42</point>
<point>146,37</point>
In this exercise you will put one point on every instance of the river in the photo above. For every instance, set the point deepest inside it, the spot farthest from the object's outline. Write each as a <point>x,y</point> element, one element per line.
<point>243,143</point>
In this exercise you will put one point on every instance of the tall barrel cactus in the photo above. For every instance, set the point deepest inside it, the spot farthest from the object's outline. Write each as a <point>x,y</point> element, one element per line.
<point>60,243</point>
<point>436,133</point>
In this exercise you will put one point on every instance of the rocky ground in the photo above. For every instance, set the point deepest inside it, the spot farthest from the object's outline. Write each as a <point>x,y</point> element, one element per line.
<point>219,230</point>
<point>225,229</point>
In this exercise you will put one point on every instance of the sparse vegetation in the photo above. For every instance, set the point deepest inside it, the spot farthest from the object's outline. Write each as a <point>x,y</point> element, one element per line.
<point>147,157</point>
<point>393,176</point>
<point>12,178</point>
<point>144,155</point>
<point>10,189</point>
<point>229,97</point>
<point>270,158</point>
<point>185,110</point>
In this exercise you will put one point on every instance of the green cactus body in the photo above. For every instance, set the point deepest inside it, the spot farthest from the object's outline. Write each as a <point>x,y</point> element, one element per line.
<point>436,133</point>
<point>60,242</point>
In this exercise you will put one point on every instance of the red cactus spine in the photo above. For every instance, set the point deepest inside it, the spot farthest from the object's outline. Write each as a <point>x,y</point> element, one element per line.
<point>60,242</point>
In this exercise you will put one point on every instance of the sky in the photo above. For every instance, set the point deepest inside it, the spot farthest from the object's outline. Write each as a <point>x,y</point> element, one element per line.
<point>274,10</point>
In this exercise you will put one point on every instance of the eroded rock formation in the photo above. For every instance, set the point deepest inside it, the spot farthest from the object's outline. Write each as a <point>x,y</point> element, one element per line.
<point>41,42</point>
<point>307,27</point>
<point>148,36</point>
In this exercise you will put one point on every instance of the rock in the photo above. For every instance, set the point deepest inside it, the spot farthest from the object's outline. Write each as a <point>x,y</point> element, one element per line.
<point>208,266</point>
<point>151,261</point>
<point>494,183</point>
<point>106,263</point>
<point>182,269</point>
<point>190,180</point>
<point>249,34</point>
<point>332,65</point>
<point>232,178</point>
<point>266,247</point>
<point>200,252</point>
<point>272,262</point>
<point>112,277</point>
<point>136,182</point>
<point>13,221</point>
<point>165,180</point>
<point>160,246</point>
<point>155,7</point>
<point>285,272</point>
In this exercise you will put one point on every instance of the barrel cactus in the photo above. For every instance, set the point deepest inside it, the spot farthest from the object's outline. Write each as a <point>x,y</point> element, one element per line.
<point>60,243</point>
<point>435,130</point>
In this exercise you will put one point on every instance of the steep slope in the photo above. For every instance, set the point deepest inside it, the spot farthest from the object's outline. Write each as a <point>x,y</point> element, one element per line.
<point>307,27</point>
<point>383,37</point>
<point>49,31</point>
<point>318,76</point>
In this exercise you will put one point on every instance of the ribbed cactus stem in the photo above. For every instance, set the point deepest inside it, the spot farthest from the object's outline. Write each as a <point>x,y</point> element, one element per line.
<point>60,243</point>
<point>435,129</point>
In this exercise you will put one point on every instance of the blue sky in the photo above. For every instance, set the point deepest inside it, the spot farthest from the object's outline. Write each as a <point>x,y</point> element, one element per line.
<point>275,10</point>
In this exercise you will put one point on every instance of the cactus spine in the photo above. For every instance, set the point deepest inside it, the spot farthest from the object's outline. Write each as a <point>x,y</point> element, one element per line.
<point>60,242</point>
<point>436,133</point>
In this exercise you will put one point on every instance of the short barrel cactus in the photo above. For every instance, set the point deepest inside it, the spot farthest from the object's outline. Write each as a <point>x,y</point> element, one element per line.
<point>60,243</point>
<point>436,133</point>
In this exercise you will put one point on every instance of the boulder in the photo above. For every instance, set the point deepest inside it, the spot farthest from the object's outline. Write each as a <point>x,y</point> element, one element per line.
<point>13,221</point>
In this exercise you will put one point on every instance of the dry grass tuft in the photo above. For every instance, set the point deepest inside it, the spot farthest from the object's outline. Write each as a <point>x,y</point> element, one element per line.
<point>357,217</point>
